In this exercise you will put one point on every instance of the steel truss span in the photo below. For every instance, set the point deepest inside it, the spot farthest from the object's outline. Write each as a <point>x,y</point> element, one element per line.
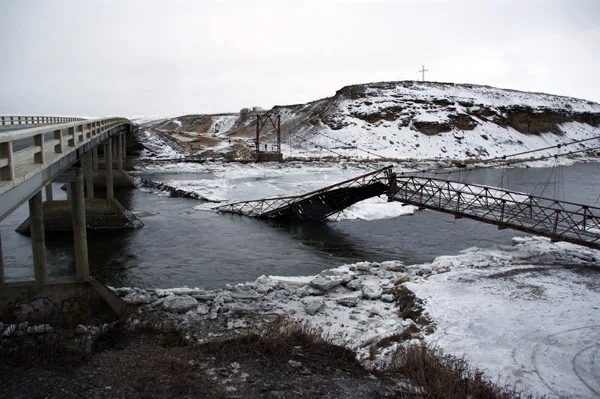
<point>319,204</point>
<point>558,220</point>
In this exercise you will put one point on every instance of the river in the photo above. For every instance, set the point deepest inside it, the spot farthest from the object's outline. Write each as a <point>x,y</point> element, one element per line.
<point>180,245</point>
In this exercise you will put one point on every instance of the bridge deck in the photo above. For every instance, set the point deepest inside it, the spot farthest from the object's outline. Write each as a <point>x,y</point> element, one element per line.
<point>558,220</point>
<point>319,204</point>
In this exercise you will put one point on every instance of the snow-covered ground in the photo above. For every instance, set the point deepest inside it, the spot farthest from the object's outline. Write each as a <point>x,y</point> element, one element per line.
<point>528,314</point>
<point>487,140</point>
<point>522,316</point>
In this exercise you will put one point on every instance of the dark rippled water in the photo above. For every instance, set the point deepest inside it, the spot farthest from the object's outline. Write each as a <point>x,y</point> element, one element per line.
<point>182,246</point>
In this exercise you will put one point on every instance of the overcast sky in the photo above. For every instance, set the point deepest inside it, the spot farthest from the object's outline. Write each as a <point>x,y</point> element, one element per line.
<point>145,57</point>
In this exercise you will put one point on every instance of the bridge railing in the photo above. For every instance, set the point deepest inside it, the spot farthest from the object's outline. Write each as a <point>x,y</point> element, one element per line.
<point>266,205</point>
<point>559,220</point>
<point>25,152</point>
<point>20,120</point>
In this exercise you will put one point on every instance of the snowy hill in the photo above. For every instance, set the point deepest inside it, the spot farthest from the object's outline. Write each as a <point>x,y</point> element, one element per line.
<point>411,120</point>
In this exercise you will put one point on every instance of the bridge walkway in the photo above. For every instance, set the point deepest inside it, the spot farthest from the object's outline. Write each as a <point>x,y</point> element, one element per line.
<point>558,220</point>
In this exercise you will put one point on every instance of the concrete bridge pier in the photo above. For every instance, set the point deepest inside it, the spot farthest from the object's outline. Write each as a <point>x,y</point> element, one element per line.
<point>49,194</point>
<point>89,174</point>
<point>119,139</point>
<point>110,194</point>
<point>79,227</point>
<point>95,158</point>
<point>38,243</point>
<point>1,262</point>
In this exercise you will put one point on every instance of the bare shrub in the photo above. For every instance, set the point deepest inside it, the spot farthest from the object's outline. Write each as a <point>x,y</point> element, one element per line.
<point>436,375</point>
<point>280,340</point>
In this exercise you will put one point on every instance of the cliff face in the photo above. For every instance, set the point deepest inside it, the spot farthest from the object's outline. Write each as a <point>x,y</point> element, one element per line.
<point>405,119</point>
<point>433,108</point>
<point>422,120</point>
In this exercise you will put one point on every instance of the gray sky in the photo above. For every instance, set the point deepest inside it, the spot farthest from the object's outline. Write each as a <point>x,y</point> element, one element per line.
<point>144,57</point>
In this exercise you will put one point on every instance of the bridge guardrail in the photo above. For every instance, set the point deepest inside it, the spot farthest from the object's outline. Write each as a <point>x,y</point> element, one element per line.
<point>47,145</point>
<point>20,120</point>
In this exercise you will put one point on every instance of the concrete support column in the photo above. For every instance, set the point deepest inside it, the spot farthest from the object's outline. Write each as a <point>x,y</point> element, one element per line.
<point>115,150</point>
<point>49,195</point>
<point>79,228</point>
<point>95,157</point>
<point>125,145</point>
<point>109,172</point>
<point>120,151</point>
<point>89,174</point>
<point>38,244</point>
<point>1,262</point>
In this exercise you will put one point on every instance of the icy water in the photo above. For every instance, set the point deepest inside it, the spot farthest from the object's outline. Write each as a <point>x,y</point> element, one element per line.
<point>183,246</point>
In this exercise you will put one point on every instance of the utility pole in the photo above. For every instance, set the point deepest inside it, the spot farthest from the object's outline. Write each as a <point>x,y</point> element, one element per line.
<point>423,70</point>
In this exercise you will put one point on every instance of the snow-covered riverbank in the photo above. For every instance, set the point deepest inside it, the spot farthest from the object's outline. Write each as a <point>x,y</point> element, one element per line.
<point>526,314</point>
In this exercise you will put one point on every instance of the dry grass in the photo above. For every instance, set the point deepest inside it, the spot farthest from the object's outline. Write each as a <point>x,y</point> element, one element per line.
<point>436,375</point>
<point>158,359</point>
<point>282,339</point>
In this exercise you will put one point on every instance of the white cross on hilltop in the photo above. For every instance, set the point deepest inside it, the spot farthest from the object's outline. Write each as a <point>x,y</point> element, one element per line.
<point>423,70</point>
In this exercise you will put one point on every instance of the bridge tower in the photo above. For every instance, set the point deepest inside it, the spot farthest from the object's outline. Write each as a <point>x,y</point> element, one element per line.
<point>272,151</point>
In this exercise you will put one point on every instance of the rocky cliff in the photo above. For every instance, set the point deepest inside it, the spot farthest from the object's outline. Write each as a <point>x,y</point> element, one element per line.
<point>423,120</point>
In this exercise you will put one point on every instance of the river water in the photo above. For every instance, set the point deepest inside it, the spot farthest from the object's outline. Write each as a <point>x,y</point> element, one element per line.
<point>180,245</point>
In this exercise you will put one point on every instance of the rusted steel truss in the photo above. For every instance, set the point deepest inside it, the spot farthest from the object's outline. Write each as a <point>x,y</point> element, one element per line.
<point>319,204</point>
<point>558,220</point>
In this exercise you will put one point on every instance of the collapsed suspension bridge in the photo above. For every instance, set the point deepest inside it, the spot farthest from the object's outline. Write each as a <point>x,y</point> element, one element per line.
<point>558,220</point>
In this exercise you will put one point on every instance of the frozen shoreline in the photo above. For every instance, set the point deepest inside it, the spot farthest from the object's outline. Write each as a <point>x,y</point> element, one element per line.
<point>501,308</point>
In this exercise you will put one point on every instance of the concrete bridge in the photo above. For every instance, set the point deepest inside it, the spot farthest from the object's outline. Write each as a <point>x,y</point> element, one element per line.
<point>36,151</point>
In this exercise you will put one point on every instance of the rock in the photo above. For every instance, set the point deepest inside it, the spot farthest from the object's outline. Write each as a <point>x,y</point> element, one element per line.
<point>236,324</point>
<point>121,291</point>
<point>364,266</point>
<point>387,298</point>
<point>354,285</point>
<point>10,330</point>
<point>179,303</point>
<point>371,290</point>
<point>217,305</point>
<point>158,302</point>
<point>326,283</point>
<point>343,276</point>
<point>41,329</point>
<point>202,309</point>
<point>138,298</point>
<point>263,284</point>
<point>81,329</point>
<point>244,293</point>
<point>205,297</point>
<point>188,291</point>
<point>235,367</point>
<point>349,301</point>
<point>307,291</point>
<point>368,340</point>
<point>313,305</point>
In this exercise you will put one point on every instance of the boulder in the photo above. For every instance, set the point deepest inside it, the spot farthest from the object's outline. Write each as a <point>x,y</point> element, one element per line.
<point>179,303</point>
<point>312,306</point>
